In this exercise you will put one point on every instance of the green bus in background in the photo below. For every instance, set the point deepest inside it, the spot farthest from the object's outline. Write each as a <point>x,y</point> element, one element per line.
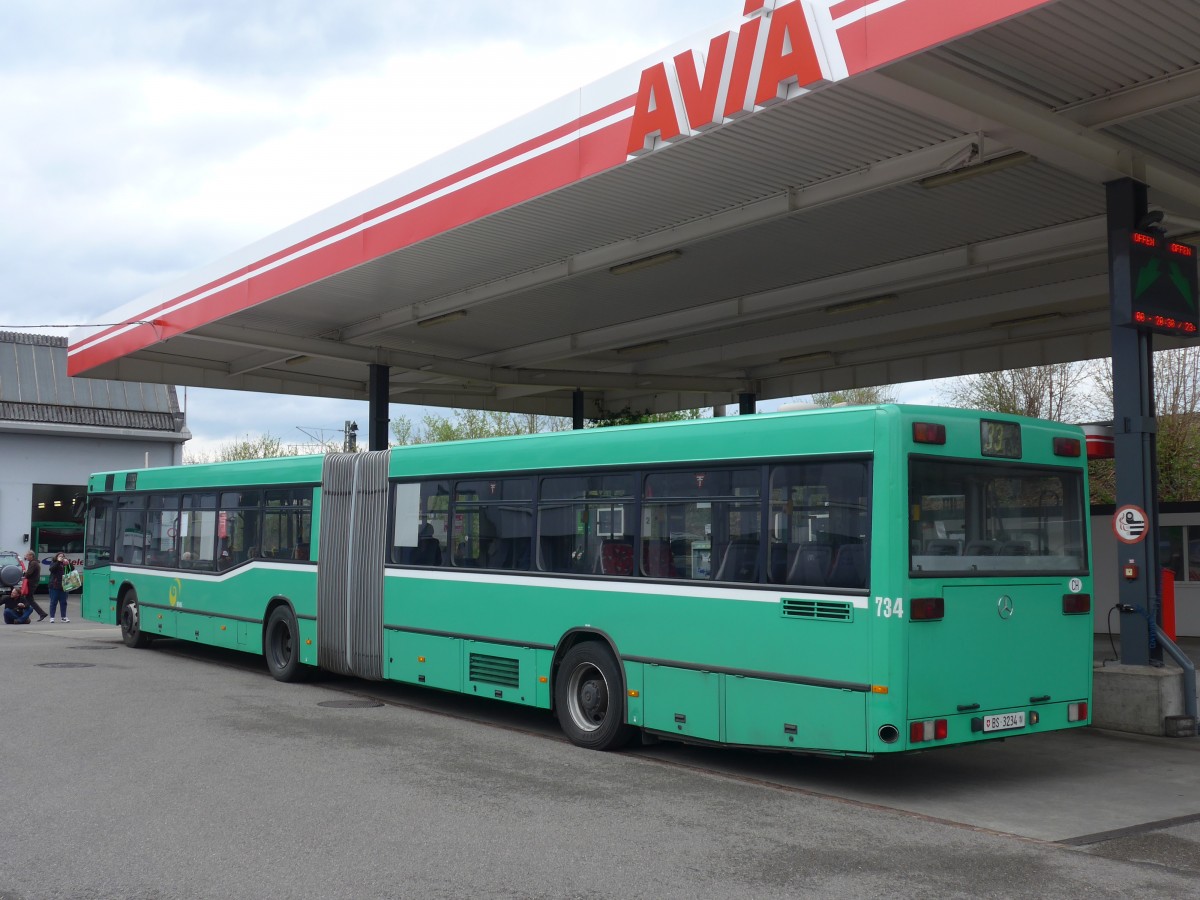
<point>47,539</point>
<point>852,581</point>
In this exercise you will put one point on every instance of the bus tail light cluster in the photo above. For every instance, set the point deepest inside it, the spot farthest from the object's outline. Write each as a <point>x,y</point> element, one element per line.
<point>929,730</point>
<point>1077,712</point>
<point>928,433</point>
<point>1076,604</point>
<point>1067,446</point>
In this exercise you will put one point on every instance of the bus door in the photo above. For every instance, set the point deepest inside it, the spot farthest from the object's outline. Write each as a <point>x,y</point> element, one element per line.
<point>99,591</point>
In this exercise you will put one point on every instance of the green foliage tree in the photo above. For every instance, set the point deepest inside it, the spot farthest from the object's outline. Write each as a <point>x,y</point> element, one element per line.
<point>865,396</point>
<point>606,418</point>
<point>464,424</point>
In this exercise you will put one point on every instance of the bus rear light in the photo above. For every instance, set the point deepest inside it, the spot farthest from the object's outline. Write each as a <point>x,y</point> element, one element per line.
<point>926,609</point>
<point>1076,604</point>
<point>1077,712</point>
<point>1067,447</point>
<point>928,433</point>
<point>929,730</point>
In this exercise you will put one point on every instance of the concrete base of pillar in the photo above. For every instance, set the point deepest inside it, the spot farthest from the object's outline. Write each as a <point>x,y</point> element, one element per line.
<point>1139,700</point>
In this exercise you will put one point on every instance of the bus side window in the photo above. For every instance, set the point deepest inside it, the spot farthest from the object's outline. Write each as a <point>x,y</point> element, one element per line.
<point>820,512</point>
<point>419,519</point>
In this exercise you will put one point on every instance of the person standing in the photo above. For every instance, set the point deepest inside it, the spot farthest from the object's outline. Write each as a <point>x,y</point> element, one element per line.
<point>58,597</point>
<point>33,574</point>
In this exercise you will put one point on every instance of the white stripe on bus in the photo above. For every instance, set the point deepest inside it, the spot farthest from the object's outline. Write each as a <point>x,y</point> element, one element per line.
<point>711,591</point>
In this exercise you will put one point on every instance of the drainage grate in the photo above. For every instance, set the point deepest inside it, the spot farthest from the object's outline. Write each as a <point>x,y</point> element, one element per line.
<point>67,665</point>
<point>94,647</point>
<point>349,704</point>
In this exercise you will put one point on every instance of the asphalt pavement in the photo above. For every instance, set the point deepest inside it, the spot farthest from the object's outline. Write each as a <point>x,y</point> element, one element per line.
<point>187,772</point>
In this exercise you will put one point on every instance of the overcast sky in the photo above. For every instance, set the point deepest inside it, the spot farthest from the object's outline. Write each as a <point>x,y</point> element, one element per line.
<point>142,139</point>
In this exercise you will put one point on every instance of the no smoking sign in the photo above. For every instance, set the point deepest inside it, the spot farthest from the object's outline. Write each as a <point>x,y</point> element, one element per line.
<point>1129,524</point>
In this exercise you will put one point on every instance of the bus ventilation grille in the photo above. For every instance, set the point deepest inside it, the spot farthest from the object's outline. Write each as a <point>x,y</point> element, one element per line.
<point>835,610</point>
<point>495,670</point>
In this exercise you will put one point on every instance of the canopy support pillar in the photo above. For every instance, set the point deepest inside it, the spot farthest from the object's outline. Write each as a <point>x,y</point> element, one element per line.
<point>377,397</point>
<point>1134,444</point>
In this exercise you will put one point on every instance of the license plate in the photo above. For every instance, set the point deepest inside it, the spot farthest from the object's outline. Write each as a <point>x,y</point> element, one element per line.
<point>1004,721</point>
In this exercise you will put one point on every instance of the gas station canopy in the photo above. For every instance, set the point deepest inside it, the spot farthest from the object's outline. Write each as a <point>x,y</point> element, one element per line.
<point>808,197</point>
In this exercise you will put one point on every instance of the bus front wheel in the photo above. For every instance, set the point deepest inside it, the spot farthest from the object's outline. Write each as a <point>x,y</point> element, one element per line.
<point>281,645</point>
<point>590,700</point>
<point>131,622</point>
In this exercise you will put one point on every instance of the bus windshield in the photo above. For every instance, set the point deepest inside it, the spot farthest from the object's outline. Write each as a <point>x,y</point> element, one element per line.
<point>986,519</point>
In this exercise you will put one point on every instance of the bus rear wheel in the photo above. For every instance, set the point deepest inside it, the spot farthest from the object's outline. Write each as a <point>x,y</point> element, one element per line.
<point>131,622</point>
<point>590,700</point>
<point>281,645</point>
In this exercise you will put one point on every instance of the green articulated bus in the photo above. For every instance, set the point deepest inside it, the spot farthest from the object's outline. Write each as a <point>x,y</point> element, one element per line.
<point>851,581</point>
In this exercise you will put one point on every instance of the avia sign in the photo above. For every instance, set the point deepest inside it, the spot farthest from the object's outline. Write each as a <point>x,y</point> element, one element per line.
<point>783,50</point>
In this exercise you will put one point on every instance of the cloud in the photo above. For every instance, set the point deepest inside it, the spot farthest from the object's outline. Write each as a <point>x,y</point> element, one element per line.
<point>146,139</point>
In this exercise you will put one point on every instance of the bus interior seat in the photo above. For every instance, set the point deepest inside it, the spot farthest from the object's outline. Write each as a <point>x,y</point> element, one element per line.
<point>779,560</point>
<point>462,557</point>
<point>849,567</point>
<point>657,559</point>
<point>616,558</point>
<point>811,564</point>
<point>548,554</point>
<point>496,553</point>
<point>980,548</point>
<point>519,552</point>
<point>428,552</point>
<point>739,562</point>
<point>1014,548</point>
<point>941,547</point>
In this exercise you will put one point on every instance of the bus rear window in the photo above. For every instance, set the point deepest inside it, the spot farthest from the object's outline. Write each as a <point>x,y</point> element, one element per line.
<point>985,519</point>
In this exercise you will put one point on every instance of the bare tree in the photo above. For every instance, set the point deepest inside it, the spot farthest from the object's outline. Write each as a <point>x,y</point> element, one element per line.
<point>1058,391</point>
<point>265,446</point>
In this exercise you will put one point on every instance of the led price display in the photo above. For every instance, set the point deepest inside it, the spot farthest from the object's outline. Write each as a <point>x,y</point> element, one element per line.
<point>1163,285</point>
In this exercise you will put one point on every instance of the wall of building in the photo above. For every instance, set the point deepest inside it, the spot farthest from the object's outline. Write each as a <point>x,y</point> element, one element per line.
<point>63,457</point>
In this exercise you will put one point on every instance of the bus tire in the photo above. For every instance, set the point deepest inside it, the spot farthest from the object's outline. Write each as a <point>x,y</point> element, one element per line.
<point>131,622</point>
<point>281,645</point>
<point>590,699</point>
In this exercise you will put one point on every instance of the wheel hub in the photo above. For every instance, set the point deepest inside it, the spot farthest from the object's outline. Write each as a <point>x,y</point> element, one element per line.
<point>593,699</point>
